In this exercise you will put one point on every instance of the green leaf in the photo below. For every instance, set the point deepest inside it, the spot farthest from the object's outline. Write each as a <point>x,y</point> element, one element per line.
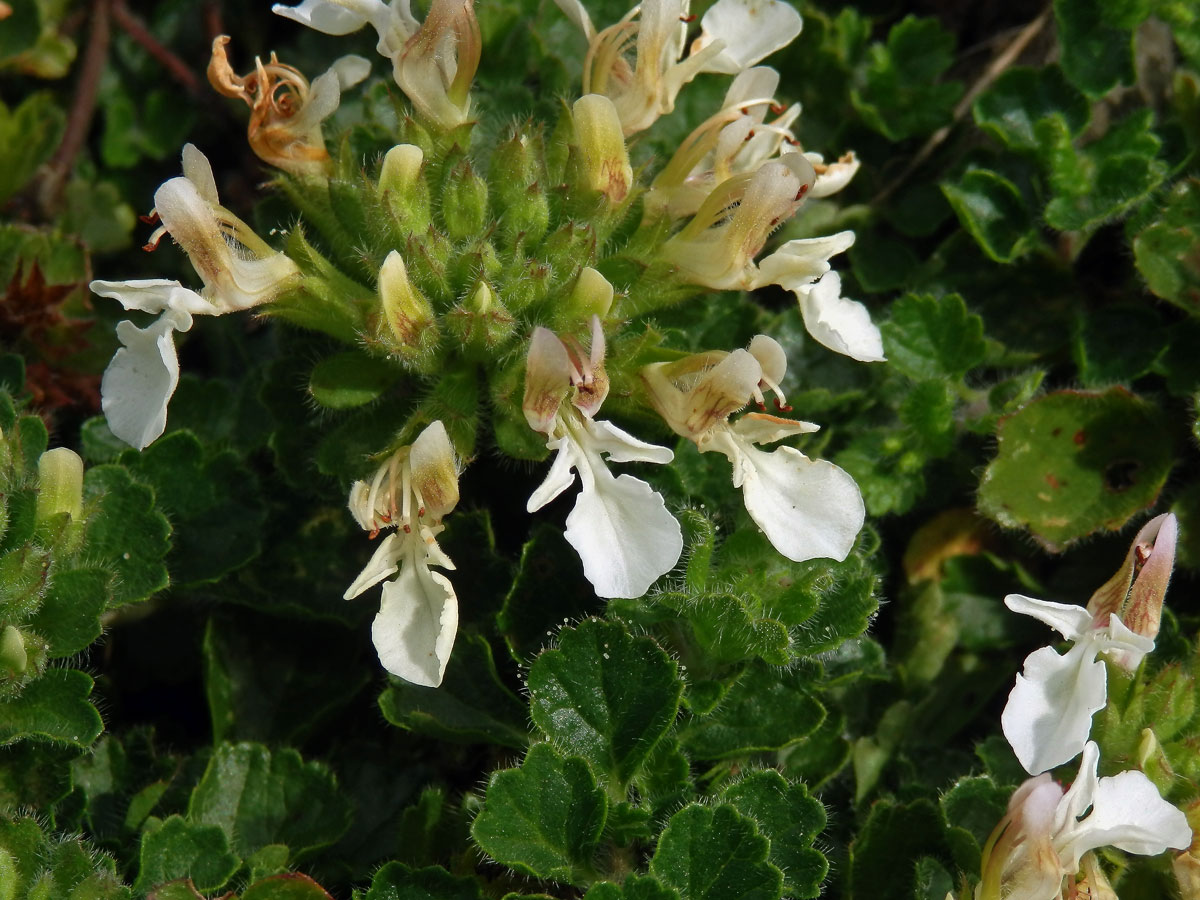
<point>33,776</point>
<point>259,798</point>
<point>125,532</point>
<point>715,853</point>
<point>471,705</point>
<point>1117,343</point>
<point>54,707</point>
<point>1095,56</point>
<point>1165,250</point>
<point>396,881</point>
<point>992,209</point>
<point>351,379</point>
<point>1072,463</point>
<point>791,820</point>
<point>69,618</point>
<point>973,808</point>
<point>766,709</point>
<point>605,695</point>
<point>22,29</point>
<point>212,499</point>
<point>29,133</point>
<point>254,687</point>
<point>931,337</point>
<point>898,95</point>
<point>883,852</point>
<point>289,886</point>
<point>177,848</point>
<point>882,263</point>
<point>1021,97</point>
<point>543,819</point>
<point>1105,179</point>
<point>549,587</point>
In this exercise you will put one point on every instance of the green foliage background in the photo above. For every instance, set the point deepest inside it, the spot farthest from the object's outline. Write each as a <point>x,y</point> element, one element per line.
<point>196,710</point>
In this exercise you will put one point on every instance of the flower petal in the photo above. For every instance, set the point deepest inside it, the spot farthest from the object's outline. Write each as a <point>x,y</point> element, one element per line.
<point>141,378</point>
<point>751,30</point>
<point>383,563</point>
<point>153,295</point>
<point>415,627</point>
<point>808,508</point>
<point>1049,711</point>
<point>330,17</point>
<point>559,478</point>
<point>198,170</point>
<point>1069,620</point>
<point>350,70</point>
<point>802,262</point>
<point>623,447</point>
<point>838,323</point>
<point>623,533</point>
<point>1127,812</point>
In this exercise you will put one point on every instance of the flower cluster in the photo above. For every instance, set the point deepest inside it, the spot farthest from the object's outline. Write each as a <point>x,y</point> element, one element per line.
<point>1048,833</point>
<point>499,280</point>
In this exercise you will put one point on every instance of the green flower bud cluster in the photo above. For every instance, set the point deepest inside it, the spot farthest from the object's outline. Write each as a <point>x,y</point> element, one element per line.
<point>443,259</point>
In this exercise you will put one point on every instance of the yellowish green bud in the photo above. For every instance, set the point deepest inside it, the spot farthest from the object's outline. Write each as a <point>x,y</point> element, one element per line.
<point>464,202</point>
<point>13,657</point>
<point>481,322</point>
<point>60,484</point>
<point>409,323</point>
<point>592,295</point>
<point>604,161</point>
<point>404,189</point>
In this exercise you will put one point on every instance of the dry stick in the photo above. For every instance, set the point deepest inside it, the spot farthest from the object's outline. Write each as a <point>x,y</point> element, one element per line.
<point>136,29</point>
<point>999,64</point>
<point>83,108</point>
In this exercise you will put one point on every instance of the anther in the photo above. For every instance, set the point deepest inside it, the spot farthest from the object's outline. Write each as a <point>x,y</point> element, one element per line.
<point>781,406</point>
<point>152,245</point>
<point>151,218</point>
<point>800,193</point>
<point>778,108</point>
<point>688,19</point>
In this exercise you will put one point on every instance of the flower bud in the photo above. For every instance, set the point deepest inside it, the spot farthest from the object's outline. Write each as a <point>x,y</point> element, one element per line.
<point>1135,593</point>
<point>60,484</point>
<point>464,202</point>
<point>481,322</point>
<point>412,330</point>
<point>403,188</point>
<point>13,657</point>
<point>604,162</point>
<point>439,62</point>
<point>592,295</point>
<point>517,178</point>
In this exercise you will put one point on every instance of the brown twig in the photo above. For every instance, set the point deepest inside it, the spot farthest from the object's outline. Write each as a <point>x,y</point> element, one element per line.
<point>993,71</point>
<point>136,29</point>
<point>83,108</point>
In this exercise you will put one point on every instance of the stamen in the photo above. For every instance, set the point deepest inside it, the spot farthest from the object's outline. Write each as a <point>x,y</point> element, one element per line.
<point>158,234</point>
<point>688,19</point>
<point>800,193</point>
<point>151,218</point>
<point>778,109</point>
<point>407,490</point>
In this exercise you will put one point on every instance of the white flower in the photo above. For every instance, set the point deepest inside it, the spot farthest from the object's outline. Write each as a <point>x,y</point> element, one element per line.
<point>749,30</point>
<point>838,323</point>
<point>1047,831</point>
<point>619,526</point>
<point>736,34</point>
<point>1049,712</point>
<point>238,269</point>
<point>417,622</point>
<point>433,62</point>
<point>808,508</point>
